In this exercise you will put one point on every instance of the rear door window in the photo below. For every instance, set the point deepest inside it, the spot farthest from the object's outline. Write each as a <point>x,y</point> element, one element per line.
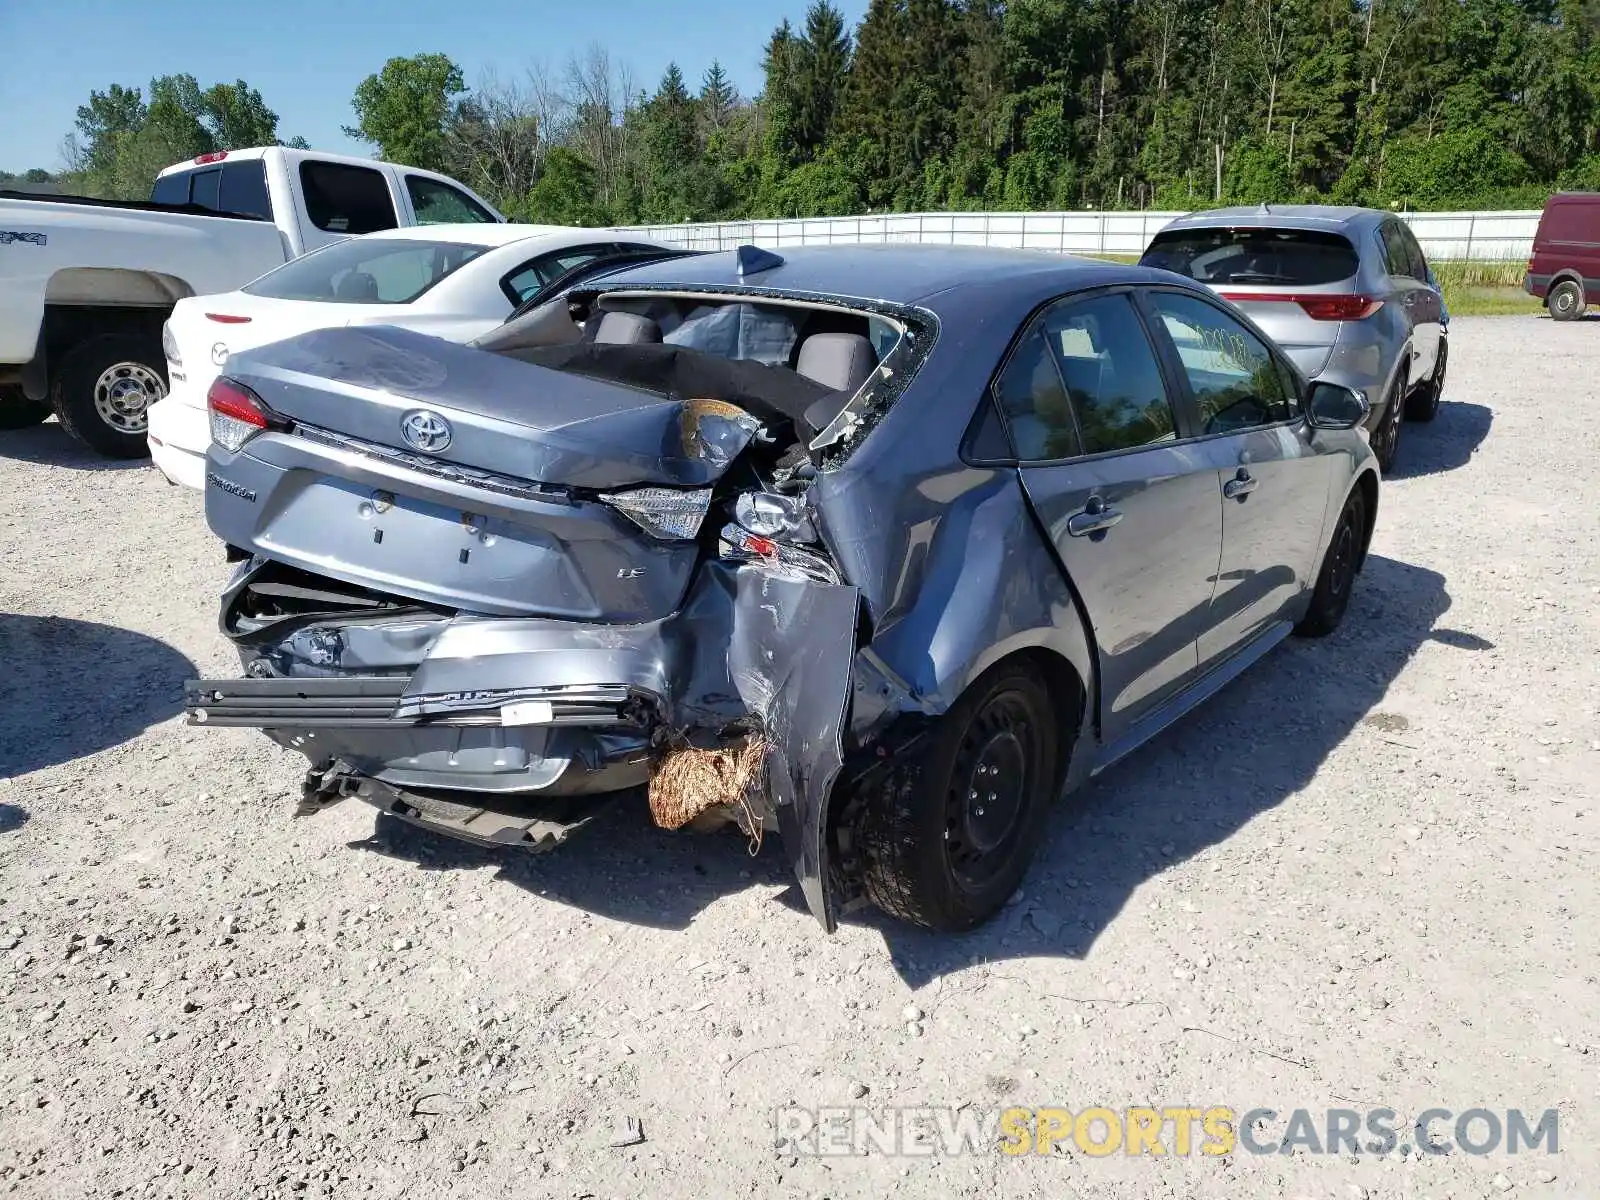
<point>244,189</point>
<point>1396,257</point>
<point>1416,261</point>
<point>531,277</point>
<point>205,189</point>
<point>437,203</point>
<point>172,189</point>
<point>381,271</point>
<point>1084,380</point>
<point>345,199</point>
<point>1235,380</point>
<point>1268,257</point>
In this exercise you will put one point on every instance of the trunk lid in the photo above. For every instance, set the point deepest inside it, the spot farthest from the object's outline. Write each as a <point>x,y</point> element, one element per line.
<point>482,410</point>
<point>464,479</point>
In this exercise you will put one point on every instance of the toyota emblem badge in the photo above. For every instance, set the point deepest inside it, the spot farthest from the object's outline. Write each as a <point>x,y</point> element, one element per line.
<point>425,431</point>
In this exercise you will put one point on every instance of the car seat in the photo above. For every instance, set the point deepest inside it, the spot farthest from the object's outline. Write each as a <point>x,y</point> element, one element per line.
<point>620,328</point>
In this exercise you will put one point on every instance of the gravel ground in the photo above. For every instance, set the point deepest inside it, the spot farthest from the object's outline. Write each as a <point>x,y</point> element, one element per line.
<point>1359,878</point>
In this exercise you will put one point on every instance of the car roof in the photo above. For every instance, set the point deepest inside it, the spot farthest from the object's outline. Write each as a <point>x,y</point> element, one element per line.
<point>1278,216</point>
<point>892,272</point>
<point>482,233</point>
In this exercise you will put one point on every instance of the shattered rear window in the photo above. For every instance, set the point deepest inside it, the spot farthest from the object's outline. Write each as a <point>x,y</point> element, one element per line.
<point>733,323</point>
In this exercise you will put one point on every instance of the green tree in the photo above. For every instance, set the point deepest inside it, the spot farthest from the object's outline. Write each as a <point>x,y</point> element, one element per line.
<point>718,99</point>
<point>675,178</point>
<point>565,192</point>
<point>403,108</point>
<point>821,65</point>
<point>237,117</point>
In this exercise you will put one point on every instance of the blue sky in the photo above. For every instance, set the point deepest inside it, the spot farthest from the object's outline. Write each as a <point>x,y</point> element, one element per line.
<point>306,56</point>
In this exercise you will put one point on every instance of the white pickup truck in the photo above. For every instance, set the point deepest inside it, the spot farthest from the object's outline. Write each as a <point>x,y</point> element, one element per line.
<point>85,285</point>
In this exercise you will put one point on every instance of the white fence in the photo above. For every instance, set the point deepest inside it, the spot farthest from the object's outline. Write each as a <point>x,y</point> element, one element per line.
<point>1475,236</point>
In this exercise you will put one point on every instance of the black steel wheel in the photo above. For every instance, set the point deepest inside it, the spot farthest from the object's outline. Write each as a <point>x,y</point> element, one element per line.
<point>1340,565</point>
<point>948,835</point>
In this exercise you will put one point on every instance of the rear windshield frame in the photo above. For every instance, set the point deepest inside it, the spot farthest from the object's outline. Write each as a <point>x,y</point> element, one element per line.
<point>359,250</point>
<point>1177,250</point>
<point>897,369</point>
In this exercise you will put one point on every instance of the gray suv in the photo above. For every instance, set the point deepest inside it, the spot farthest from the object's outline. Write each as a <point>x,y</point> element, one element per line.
<point>1345,292</point>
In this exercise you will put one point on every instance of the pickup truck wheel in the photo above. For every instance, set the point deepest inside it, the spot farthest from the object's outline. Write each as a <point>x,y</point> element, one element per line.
<point>948,834</point>
<point>18,412</point>
<point>103,390</point>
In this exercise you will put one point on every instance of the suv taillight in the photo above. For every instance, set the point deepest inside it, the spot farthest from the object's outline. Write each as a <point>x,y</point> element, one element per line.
<point>1318,306</point>
<point>237,413</point>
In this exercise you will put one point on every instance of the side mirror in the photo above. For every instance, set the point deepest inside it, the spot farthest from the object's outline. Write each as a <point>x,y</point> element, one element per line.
<point>1334,406</point>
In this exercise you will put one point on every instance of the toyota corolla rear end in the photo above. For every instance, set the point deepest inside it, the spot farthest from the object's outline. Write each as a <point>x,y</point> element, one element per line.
<point>484,593</point>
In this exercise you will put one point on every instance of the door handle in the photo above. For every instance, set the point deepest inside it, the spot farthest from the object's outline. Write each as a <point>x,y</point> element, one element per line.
<point>1096,517</point>
<point>1240,486</point>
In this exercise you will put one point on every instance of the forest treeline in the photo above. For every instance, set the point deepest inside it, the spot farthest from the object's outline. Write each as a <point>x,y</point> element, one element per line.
<point>972,105</point>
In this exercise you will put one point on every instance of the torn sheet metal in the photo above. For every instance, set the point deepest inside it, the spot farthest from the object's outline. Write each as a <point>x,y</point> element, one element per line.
<point>790,660</point>
<point>759,648</point>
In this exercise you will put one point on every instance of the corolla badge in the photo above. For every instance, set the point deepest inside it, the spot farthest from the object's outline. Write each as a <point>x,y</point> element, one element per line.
<point>425,431</point>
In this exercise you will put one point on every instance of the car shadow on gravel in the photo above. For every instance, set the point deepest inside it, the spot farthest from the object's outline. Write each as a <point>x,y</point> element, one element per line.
<point>1443,444</point>
<point>12,816</point>
<point>621,866</point>
<point>70,688</point>
<point>1253,746</point>
<point>1246,751</point>
<point>51,445</point>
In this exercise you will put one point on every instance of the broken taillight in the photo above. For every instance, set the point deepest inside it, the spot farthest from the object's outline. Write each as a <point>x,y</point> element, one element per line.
<point>237,413</point>
<point>1318,306</point>
<point>665,513</point>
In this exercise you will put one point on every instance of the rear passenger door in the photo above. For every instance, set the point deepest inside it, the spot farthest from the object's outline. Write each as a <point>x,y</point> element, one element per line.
<point>1135,516</point>
<point>1272,484</point>
<point>1418,302</point>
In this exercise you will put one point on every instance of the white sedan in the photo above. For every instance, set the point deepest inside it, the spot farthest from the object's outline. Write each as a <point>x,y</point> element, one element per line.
<point>452,281</point>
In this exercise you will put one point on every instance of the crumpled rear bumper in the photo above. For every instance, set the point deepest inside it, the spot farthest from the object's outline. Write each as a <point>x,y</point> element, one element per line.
<point>497,729</point>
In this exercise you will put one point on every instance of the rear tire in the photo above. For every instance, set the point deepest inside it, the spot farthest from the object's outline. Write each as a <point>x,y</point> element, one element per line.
<point>103,390</point>
<point>1386,441</point>
<point>1424,404</point>
<point>18,412</point>
<point>1337,578</point>
<point>948,834</point>
<point>1566,301</point>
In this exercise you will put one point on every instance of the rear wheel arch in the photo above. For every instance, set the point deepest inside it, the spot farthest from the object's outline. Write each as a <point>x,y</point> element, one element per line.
<point>917,842</point>
<point>1068,690</point>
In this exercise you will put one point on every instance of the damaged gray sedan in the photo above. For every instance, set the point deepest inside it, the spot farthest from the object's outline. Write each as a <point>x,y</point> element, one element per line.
<point>881,548</point>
